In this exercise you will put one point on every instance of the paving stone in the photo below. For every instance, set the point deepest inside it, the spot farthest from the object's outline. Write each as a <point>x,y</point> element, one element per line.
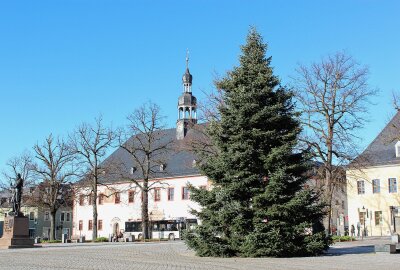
<point>175,255</point>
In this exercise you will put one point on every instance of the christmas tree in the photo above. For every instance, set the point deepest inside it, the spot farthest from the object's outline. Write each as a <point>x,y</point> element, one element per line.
<point>258,205</point>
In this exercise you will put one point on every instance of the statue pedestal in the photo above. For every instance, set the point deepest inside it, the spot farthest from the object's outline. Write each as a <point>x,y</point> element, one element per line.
<point>16,233</point>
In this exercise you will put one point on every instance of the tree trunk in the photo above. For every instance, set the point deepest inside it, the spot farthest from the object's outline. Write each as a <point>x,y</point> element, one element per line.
<point>94,203</point>
<point>145,211</point>
<point>53,225</point>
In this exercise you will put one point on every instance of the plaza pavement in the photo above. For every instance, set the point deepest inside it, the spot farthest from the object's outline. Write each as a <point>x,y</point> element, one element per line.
<point>175,255</point>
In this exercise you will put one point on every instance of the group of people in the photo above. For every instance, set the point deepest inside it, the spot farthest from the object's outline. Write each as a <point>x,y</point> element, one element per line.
<point>353,230</point>
<point>117,236</point>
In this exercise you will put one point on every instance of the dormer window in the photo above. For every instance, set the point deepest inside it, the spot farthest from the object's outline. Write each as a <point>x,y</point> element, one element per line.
<point>397,146</point>
<point>162,167</point>
<point>194,163</point>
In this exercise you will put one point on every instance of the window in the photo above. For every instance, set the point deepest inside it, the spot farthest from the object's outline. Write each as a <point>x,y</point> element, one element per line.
<point>90,225</point>
<point>32,216</point>
<point>343,205</point>
<point>378,218</point>
<point>360,187</point>
<point>81,200</point>
<point>392,185</point>
<point>80,225</point>
<point>157,194</point>
<point>362,218</point>
<point>68,216</point>
<point>100,225</point>
<point>90,199</point>
<point>185,193</point>
<point>101,198</point>
<point>131,196</point>
<point>376,186</point>
<point>62,216</point>
<point>47,216</point>
<point>117,197</point>
<point>397,147</point>
<point>162,167</point>
<point>171,192</point>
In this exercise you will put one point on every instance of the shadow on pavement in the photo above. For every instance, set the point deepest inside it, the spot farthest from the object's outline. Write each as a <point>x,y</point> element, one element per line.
<point>337,251</point>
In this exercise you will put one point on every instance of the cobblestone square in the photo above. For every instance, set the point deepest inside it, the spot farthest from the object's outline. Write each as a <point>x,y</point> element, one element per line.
<point>175,255</point>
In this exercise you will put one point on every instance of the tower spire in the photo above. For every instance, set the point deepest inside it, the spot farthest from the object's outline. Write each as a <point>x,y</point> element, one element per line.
<point>187,104</point>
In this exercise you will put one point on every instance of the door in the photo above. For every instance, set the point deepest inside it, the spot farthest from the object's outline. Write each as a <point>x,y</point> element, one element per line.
<point>397,221</point>
<point>116,228</point>
<point>66,231</point>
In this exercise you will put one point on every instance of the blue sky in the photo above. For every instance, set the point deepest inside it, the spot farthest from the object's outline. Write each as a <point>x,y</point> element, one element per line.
<point>64,62</point>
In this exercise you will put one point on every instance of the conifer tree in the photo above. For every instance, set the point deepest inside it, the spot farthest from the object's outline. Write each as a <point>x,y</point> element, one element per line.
<point>257,205</point>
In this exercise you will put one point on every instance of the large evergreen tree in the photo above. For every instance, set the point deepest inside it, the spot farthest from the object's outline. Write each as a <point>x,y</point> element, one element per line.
<point>257,205</point>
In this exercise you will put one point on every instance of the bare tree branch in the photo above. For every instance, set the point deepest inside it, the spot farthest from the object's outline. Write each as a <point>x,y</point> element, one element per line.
<point>333,96</point>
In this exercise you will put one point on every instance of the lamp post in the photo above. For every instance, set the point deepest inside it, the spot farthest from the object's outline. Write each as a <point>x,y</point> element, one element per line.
<point>363,233</point>
<point>392,208</point>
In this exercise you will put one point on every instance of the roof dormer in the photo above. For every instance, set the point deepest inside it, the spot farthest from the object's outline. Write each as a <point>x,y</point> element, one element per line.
<point>397,147</point>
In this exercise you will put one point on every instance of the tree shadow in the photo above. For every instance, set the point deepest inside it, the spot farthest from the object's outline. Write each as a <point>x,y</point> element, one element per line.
<point>338,251</point>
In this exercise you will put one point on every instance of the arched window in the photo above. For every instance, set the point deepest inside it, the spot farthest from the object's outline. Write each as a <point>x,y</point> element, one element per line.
<point>181,114</point>
<point>397,146</point>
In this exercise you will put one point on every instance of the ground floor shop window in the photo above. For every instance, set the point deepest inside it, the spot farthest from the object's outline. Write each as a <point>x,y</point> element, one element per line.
<point>378,218</point>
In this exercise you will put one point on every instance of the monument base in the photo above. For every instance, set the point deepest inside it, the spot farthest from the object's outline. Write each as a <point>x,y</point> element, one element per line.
<point>16,233</point>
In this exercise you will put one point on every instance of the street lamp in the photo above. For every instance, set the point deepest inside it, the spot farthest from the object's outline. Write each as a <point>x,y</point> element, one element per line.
<point>364,221</point>
<point>392,208</point>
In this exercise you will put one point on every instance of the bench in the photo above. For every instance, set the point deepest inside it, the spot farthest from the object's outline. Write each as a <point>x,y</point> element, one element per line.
<point>77,239</point>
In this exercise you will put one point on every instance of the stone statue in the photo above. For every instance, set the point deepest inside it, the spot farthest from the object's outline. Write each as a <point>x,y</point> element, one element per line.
<point>17,196</point>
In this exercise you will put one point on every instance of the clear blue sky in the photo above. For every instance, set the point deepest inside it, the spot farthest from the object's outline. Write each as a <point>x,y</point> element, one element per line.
<point>64,62</point>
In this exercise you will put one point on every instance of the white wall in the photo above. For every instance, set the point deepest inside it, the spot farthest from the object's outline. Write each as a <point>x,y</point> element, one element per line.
<point>111,213</point>
<point>372,201</point>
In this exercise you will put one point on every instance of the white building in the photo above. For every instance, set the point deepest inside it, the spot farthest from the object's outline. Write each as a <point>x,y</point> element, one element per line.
<point>372,184</point>
<point>119,200</point>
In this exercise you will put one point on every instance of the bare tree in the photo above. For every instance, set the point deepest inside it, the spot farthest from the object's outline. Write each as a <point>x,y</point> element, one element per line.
<point>90,143</point>
<point>333,97</point>
<point>21,164</point>
<point>18,165</point>
<point>54,172</point>
<point>147,145</point>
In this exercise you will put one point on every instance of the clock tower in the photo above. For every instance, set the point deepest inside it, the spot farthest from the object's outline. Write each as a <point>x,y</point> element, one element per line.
<point>187,105</point>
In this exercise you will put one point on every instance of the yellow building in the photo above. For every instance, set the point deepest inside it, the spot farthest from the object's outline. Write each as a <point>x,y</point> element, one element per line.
<point>373,184</point>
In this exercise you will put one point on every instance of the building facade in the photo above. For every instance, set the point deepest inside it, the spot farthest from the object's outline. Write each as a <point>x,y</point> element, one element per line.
<point>39,218</point>
<point>119,199</point>
<point>39,221</point>
<point>372,184</point>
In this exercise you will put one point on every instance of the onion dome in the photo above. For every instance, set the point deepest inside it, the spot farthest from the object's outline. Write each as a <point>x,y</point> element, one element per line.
<point>187,77</point>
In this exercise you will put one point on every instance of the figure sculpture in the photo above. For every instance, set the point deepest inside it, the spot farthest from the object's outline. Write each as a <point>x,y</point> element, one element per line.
<point>17,196</point>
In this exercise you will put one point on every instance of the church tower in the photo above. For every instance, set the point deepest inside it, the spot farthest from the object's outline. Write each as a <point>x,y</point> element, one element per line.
<point>187,105</point>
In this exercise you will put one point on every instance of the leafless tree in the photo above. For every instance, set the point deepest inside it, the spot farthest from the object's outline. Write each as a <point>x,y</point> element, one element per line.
<point>21,164</point>
<point>145,141</point>
<point>333,96</point>
<point>54,172</point>
<point>90,143</point>
<point>18,165</point>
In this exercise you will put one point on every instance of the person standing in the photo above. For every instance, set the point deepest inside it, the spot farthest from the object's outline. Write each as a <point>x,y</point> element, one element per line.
<point>353,230</point>
<point>358,229</point>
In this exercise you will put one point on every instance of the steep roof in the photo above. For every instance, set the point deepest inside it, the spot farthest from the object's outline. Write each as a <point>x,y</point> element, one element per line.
<point>177,160</point>
<point>382,150</point>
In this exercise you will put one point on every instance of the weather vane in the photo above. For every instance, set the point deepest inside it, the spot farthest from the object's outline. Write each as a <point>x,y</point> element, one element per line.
<point>187,58</point>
